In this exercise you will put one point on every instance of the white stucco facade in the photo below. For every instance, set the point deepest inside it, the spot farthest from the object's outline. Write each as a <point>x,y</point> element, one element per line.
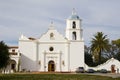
<point>53,51</point>
<point>107,65</point>
<point>14,64</point>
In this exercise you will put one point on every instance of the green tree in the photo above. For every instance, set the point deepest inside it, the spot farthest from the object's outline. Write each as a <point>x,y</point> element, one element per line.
<point>88,57</point>
<point>4,55</point>
<point>99,46</point>
<point>116,43</point>
<point>116,49</point>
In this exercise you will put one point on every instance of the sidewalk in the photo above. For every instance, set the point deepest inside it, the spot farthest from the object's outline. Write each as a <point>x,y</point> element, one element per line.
<point>113,75</point>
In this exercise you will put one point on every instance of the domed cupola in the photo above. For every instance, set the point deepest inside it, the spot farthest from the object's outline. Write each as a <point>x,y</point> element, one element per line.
<point>74,15</point>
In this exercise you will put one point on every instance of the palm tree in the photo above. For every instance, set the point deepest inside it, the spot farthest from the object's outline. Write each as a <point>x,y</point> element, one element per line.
<point>99,45</point>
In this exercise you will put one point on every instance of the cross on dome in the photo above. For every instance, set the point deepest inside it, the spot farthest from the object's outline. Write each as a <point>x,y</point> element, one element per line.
<point>73,11</point>
<point>51,22</point>
<point>74,15</point>
<point>51,25</point>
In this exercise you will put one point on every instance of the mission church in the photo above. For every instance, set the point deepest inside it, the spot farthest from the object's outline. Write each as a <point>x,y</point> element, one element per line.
<point>52,51</point>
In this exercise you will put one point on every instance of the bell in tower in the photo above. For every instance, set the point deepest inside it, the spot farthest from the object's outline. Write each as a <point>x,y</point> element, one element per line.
<point>73,28</point>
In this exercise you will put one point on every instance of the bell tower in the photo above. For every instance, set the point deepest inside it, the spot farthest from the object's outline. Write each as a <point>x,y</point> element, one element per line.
<point>74,31</point>
<point>74,34</point>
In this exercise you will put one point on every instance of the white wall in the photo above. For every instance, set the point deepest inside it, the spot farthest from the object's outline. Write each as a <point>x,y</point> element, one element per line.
<point>107,65</point>
<point>76,55</point>
<point>28,52</point>
<point>58,55</point>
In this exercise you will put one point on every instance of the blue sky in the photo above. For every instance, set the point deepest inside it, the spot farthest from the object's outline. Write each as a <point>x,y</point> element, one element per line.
<point>32,17</point>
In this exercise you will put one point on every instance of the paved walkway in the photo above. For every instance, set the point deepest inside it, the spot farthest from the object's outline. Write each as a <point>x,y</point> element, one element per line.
<point>113,75</point>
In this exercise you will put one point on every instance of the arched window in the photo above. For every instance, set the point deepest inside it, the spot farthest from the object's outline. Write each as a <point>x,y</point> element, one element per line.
<point>51,36</point>
<point>74,36</point>
<point>74,24</point>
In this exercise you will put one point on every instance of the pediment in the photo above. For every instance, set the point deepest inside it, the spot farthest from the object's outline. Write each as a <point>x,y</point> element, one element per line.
<point>52,35</point>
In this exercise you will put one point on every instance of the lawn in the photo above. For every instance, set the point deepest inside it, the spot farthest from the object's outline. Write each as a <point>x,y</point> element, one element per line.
<point>53,77</point>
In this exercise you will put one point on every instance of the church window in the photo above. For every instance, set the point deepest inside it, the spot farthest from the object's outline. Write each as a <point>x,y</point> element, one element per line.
<point>51,36</point>
<point>74,25</point>
<point>74,36</point>
<point>51,48</point>
<point>13,50</point>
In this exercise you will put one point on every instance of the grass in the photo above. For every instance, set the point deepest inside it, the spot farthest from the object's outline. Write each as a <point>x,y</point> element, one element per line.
<point>53,77</point>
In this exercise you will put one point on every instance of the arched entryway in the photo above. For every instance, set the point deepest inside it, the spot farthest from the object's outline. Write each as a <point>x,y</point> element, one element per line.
<point>113,68</point>
<point>51,65</point>
<point>13,65</point>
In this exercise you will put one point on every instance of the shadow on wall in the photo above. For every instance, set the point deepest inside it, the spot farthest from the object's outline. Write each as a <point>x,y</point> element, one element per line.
<point>27,64</point>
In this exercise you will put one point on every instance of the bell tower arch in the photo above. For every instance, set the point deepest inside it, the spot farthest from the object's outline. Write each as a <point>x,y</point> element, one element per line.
<point>73,27</point>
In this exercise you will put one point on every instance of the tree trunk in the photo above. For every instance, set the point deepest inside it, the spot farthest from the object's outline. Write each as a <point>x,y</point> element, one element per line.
<point>100,57</point>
